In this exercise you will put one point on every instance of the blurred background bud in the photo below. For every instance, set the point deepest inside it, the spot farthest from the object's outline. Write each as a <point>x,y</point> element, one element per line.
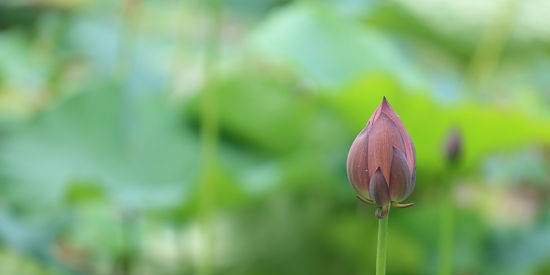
<point>453,146</point>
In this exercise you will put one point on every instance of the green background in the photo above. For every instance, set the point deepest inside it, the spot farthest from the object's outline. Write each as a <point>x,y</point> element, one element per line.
<point>210,137</point>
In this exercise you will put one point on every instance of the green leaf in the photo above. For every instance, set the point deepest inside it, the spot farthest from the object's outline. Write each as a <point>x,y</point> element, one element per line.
<point>328,48</point>
<point>136,151</point>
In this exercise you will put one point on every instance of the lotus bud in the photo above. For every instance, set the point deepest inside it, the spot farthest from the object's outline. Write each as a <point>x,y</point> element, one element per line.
<point>381,162</point>
<point>453,146</point>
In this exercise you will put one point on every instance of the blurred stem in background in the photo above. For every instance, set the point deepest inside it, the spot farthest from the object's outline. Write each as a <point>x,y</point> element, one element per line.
<point>446,246</point>
<point>127,259</point>
<point>121,71</point>
<point>127,41</point>
<point>381,248</point>
<point>51,45</point>
<point>452,153</point>
<point>209,135</point>
<point>489,50</point>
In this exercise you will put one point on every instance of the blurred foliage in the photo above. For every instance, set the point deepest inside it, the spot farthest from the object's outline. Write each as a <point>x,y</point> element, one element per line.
<point>103,153</point>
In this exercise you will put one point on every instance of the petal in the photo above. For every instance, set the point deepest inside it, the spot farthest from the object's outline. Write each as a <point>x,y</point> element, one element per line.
<point>400,176</point>
<point>383,136</point>
<point>408,147</point>
<point>374,117</point>
<point>378,189</point>
<point>357,170</point>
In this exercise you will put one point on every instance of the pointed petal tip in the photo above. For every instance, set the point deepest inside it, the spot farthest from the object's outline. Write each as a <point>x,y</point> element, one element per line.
<point>386,107</point>
<point>378,189</point>
<point>395,149</point>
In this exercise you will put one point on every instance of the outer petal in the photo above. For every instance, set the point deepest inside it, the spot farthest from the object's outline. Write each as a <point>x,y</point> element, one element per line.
<point>357,171</point>
<point>378,189</point>
<point>383,136</point>
<point>400,179</point>
<point>408,148</point>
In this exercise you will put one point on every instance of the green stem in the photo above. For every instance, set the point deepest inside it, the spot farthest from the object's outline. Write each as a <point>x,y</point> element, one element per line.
<point>209,136</point>
<point>485,58</point>
<point>382,246</point>
<point>127,41</point>
<point>446,233</point>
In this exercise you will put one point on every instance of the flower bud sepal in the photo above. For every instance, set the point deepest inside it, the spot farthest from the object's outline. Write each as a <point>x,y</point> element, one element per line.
<point>382,211</point>
<point>367,201</point>
<point>402,205</point>
<point>394,204</point>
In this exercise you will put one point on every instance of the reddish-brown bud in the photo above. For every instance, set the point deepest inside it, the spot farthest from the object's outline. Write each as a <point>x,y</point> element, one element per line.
<point>381,163</point>
<point>453,146</point>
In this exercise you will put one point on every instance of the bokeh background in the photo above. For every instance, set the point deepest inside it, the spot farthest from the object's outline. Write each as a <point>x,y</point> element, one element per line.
<point>210,137</point>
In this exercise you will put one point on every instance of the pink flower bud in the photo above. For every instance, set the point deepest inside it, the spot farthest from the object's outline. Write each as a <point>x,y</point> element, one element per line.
<point>453,146</point>
<point>382,161</point>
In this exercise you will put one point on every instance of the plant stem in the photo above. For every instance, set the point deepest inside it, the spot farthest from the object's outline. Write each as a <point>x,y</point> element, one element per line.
<point>446,233</point>
<point>382,246</point>
<point>127,42</point>
<point>485,59</point>
<point>209,136</point>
